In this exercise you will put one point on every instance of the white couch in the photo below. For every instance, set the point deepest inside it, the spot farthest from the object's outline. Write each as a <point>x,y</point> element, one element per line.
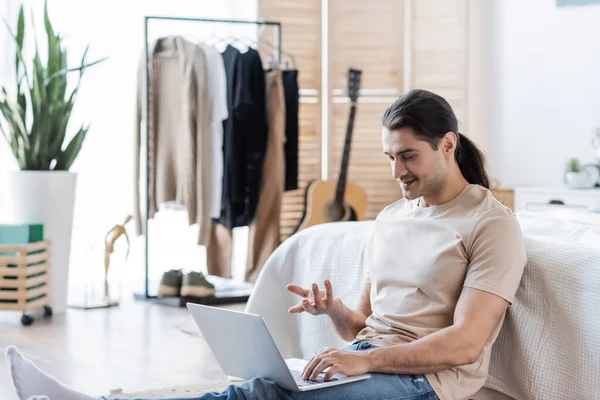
<point>549,346</point>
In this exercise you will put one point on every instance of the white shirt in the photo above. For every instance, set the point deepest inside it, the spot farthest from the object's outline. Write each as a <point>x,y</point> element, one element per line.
<point>217,88</point>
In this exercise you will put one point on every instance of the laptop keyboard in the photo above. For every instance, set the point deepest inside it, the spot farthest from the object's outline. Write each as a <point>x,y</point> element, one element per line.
<point>304,382</point>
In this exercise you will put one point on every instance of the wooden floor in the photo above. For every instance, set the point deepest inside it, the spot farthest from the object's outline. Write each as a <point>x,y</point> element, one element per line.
<point>135,346</point>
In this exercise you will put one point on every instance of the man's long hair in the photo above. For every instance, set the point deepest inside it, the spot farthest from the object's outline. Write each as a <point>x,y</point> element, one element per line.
<point>431,117</point>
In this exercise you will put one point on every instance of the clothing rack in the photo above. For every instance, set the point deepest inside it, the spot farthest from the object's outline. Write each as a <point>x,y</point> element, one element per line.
<point>231,296</point>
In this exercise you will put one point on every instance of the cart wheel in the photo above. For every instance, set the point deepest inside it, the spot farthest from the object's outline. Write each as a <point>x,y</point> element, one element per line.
<point>47,311</point>
<point>27,320</point>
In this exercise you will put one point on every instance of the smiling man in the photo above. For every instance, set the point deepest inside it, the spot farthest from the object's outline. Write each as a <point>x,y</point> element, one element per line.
<point>443,266</point>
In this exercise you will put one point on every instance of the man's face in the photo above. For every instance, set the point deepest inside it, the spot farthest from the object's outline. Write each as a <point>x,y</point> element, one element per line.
<point>417,167</point>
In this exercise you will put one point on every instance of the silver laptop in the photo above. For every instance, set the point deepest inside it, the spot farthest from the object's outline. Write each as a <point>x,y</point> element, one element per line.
<point>245,349</point>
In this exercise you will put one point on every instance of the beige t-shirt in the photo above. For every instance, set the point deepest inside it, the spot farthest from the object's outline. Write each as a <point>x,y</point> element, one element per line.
<point>420,258</point>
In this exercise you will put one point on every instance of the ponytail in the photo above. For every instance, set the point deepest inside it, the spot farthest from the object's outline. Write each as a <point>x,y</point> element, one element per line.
<point>471,161</point>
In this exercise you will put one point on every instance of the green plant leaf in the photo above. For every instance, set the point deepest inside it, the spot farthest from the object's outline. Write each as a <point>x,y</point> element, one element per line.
<point>12,112</point>
<point>19,54</point>
<point>22,101</point>
<point>61,127</point>
<point>18,134</point>
<point>10,138</point>
<point>67,70</point>
<point>64,162</point>
<point>47,23</point>
<point>19,38</point>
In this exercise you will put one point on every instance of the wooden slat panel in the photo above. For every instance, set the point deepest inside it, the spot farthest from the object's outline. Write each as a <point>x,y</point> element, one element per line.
<point>36,280</point>
<point>368,36</point>
<point>9,260</point>
<point>24,271</point>
<point>12,283</point>
<point>440,50</point>
<point>33,305</point>
<point>28,248</point>
<point>301,34</point>
<point>28,259</point>
<point>12,307</point>
<point>23,294</point>
<point>36,258</point>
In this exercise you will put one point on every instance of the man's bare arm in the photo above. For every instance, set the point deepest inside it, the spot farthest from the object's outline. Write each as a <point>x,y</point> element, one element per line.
<point>476,316</point>
<point>347,322</point>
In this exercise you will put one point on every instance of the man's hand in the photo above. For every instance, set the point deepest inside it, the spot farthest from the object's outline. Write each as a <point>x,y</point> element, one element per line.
<point>315,301</point>
<point>344,362</point>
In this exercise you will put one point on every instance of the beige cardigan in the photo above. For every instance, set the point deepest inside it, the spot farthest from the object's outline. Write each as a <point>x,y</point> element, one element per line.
<point>179,134</point>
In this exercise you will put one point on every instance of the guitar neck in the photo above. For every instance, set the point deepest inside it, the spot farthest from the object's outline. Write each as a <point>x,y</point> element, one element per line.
<point>341,184</point>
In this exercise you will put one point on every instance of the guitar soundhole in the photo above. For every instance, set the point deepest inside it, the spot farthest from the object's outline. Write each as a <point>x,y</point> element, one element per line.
<point>335,211</point>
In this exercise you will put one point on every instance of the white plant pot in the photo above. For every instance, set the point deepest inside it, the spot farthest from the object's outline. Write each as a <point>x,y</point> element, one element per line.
<point>46,197</point>
<point>578,180</point>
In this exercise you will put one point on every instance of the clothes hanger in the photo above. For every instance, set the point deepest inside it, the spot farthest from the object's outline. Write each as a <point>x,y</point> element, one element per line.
<point>274,49</point>
<point>213,36</point>
<point>283,52</point>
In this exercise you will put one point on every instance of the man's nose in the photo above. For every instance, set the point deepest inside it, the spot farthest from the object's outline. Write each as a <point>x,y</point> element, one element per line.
<point>398,169</point>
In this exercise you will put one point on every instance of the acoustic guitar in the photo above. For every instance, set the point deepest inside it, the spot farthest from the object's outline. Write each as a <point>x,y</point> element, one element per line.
<point>335,201</point>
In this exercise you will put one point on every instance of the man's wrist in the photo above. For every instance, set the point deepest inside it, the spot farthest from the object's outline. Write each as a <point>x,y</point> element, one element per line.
<point>373,359</point>
<point>339,309</point>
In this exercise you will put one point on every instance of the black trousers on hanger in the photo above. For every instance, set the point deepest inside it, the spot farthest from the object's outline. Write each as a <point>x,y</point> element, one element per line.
<point>292,100</point>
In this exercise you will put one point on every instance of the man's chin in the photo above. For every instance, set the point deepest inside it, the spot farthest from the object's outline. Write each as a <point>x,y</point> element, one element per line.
<point>410,193</point>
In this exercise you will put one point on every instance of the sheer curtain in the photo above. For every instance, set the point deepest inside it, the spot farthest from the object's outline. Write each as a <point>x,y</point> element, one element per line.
<point>106,101</point>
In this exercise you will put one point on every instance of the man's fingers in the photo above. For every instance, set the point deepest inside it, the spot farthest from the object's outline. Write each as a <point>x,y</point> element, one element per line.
<point>328,291</point>
<point>317,299</point>
<point>332,371</point>
<point>309,307</point>
<point>298,308</point>
<point>297,290</point>
<point>308,368</point>
<point>321,366</point>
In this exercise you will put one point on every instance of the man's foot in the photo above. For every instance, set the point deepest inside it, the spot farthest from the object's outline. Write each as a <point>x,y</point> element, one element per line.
<point>32,383</point>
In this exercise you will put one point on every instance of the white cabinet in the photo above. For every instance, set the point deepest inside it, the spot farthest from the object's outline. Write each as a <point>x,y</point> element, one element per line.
<point>538,198</point>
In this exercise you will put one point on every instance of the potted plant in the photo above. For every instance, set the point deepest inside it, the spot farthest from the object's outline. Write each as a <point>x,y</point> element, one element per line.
<point>34,122</point>
<point>579,176</point>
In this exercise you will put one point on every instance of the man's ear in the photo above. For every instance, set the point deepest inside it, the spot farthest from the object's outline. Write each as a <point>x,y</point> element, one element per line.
<point>448,143</point>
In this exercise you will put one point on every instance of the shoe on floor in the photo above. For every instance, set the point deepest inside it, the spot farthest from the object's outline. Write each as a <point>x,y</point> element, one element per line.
<point>170,283</point>
<point>195,285</point>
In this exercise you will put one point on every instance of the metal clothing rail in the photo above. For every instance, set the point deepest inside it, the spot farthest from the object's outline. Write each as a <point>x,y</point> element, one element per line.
<point>146,295</point>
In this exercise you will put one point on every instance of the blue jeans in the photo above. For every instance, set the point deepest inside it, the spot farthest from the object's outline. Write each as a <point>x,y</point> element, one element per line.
<point>379,386</point>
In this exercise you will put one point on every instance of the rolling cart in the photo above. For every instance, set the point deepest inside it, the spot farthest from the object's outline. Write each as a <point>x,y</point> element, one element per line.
<point>24,279</point>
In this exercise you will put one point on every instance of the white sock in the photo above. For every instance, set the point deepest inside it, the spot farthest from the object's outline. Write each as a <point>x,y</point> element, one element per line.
<point>32,383</point>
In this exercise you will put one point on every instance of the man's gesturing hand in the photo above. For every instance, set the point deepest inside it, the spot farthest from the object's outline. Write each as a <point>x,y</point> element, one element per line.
<point>315,301</point>
<point>344,362</point>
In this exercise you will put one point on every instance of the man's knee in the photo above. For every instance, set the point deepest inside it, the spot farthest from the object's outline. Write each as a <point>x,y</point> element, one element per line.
<point>265,389</point>
<point>261,383</point>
